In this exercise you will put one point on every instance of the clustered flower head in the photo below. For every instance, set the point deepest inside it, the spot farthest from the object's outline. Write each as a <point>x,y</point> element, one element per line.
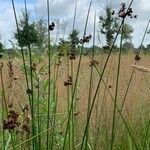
<point>51,26</point>
<point>137,57</point>
<point>86,39</point>
<point>93,63</point>
<point>106,47</point>
<point>29,91</point>
<point>124,12</point>
<point>68,82</point>
<point>12,121</point>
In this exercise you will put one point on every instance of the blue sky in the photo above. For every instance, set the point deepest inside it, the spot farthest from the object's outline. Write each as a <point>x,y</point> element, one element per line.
<point>64,11</point>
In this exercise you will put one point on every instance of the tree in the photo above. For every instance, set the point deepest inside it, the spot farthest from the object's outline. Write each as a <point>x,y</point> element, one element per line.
<point>73,37</point>
<point>110,26</point>
<point>41,27</point>
<point>126,32</point>
<point>27,32</point>
<point>148,47</point>
<point>1,47</point>
<point>128,46</point>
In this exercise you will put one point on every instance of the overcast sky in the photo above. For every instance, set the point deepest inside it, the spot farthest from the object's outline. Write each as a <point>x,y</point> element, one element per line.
<point>64,10</point>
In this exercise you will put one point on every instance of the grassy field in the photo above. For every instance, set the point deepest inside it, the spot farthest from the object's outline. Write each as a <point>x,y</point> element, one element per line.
<point>132,117</point>
<point>55,96</point>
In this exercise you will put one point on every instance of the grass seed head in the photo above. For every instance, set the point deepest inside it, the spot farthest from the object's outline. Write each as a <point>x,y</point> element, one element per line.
<point>141,68</point>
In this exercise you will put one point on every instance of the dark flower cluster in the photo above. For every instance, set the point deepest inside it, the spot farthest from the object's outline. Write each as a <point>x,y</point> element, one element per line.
<point>51,26</point>
<point>93,63</point>
<point>68,82</point>
<point>29,91</point>
<point>12,121</point>
<point>106,47</point>
<point>124,12</point>
<point>86,39</point>
<point>137,57</point>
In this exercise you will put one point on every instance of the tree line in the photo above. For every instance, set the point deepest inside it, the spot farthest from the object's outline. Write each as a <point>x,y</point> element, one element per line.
<point>35,33</point>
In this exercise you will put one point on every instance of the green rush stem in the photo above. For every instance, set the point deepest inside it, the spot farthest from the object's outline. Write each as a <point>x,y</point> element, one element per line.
<point>22,52</point>
<point>91,82</point>
<point>97,89</point>
<point>38,112</point>
<point>99,82</point>
<point>71,65</point>
<point>116,92</point>
<point>31,76</point>
<point>119,111</point>
<point>49,77</point>
<point>77,75</point>
<point>68,99</point>
<point>101,111</point>
<point>3,91</point>
<point>55,97</point>
<point>3,101</point>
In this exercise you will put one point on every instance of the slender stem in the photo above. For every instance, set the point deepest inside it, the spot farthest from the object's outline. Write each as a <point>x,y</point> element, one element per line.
<point>116,92</point>
<point>77,76</point>
<point>91,80</point>
<point>22,51</point>
<point>38,112</point>
<point>4,107</point>
<point>72,70</point>
<point>99,82</point>
<point>31,77</point>
<point>49,76</point>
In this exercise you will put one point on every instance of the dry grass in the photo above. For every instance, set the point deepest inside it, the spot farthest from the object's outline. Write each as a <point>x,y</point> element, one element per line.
<point>136,104</point>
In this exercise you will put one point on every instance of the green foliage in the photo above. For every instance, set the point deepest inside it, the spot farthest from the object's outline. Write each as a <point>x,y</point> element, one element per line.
<point>127,46</point>
<point>127,31</point>
<point>110,24</point>
<point>1,47</point>
<point>63,47</point>
<point>41,28</point>
<point>73,37</point>
<point>28,33</point>
<point>146,49</point>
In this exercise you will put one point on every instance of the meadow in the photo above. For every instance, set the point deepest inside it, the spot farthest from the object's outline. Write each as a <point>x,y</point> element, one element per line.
<point>60,100</point>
